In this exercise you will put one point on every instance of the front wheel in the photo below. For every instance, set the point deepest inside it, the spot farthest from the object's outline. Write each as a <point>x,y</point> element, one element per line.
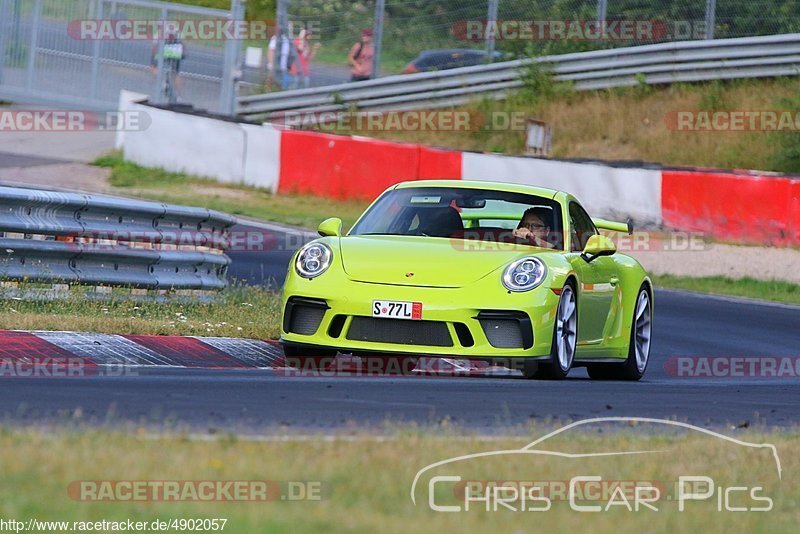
<point>639,348</point>
<point>565,338</point>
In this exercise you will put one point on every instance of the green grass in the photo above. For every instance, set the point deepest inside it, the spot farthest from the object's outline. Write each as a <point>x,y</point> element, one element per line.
<point>772,290</point>
<point>246,312</point>
<point>366,483</point>
<point>256,9</point>
<point>130,179</point>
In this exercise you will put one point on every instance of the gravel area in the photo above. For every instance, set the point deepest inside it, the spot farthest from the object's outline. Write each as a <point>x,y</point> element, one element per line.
<point>763,263</point>
<point>81,146</point>
<point>70,176</point>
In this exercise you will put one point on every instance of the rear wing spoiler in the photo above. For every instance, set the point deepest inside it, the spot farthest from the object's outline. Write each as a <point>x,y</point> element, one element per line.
<point>626,227</point>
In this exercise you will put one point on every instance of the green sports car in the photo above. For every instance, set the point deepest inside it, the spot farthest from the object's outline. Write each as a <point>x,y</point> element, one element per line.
<point>505,273</point>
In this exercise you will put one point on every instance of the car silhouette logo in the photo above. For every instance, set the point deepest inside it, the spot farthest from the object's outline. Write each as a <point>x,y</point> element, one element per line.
<point>531,448</point>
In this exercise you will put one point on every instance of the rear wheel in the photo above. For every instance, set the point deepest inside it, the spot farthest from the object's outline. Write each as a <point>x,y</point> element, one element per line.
<point>565,338</point>
<point>639,347</point>
<point>308,359</point>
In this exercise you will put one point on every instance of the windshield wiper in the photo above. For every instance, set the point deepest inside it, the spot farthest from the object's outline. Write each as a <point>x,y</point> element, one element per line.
<point>378,233</point>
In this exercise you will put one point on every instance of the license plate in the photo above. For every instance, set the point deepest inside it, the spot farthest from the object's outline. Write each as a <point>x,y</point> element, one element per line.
<point>388,309</point>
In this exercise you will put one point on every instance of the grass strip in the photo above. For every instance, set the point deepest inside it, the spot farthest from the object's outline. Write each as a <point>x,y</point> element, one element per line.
<point>769,290</point>
<point>363,484</point>
<point>246,312</point>
<point>305,211</point>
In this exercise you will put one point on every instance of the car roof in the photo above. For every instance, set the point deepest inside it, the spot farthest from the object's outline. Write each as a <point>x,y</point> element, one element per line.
<point>453,51</point>
<point>477,184</point>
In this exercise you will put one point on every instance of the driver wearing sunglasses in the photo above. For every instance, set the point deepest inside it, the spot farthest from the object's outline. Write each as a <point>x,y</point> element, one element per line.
<point>534,228</point>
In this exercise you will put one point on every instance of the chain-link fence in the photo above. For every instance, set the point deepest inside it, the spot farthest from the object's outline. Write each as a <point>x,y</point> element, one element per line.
<point>47,54</point>
<point>496,29</point>
<point>44,57</point>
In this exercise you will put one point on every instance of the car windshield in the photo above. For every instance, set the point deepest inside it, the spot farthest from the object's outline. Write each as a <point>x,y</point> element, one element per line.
<point>461,213</point>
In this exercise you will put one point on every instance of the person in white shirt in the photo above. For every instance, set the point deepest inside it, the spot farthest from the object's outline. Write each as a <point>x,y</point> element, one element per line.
<point>286,59</point>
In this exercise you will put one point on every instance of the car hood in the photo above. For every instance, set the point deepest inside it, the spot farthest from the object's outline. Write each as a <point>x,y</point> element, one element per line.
<point>434,262</point>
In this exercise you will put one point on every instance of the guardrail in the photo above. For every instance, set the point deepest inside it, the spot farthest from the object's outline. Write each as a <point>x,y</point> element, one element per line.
<point>685,61</point>
<point>72,238</point>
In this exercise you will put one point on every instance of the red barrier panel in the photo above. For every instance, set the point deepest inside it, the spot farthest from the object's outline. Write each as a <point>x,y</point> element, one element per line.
<point>794,219</point>
<point>437,163</point>
<point>342,167</point>
<point>336,166</point>
<point>746,209</point>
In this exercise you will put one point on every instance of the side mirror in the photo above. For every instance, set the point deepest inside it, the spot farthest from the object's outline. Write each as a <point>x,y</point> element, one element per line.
<point>598,245</point>
<point>330,227</point>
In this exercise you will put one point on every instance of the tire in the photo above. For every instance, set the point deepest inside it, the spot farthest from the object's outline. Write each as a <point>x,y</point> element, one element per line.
<point>308,359</point>
<point>565,338</point>
<point>529,369</point>
<point>638,346</point>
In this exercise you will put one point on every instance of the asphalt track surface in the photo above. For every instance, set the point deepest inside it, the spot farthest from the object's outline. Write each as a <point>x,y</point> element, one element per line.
<point>266,263</point>
<point>265,400</point>
<point>8,160</point>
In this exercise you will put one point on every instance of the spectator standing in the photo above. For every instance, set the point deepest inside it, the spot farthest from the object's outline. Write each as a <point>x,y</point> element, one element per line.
<point>288,56</point>
<point>305,53</point>
<point>174,53</point>
<point>361,57</point>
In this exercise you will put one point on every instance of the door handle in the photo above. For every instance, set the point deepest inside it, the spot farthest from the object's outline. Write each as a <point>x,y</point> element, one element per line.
<point>614,281</point>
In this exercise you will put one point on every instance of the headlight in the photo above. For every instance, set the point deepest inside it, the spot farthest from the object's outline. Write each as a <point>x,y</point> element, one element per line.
<point>524,274</point>
<point>313,260</point>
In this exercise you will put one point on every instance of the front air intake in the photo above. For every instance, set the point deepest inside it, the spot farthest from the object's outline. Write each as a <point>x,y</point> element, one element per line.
<point>401,332</point>
<point>303,315</point>
<point>507,329</point>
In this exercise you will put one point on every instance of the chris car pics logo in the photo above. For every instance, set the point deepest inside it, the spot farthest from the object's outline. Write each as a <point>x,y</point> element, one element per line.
<point>446,486</point>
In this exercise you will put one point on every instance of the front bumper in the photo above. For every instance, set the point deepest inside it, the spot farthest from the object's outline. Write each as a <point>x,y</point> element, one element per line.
<point>481,320</point>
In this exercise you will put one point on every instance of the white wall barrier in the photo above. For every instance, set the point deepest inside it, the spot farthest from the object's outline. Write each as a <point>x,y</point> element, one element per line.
<point>226,151</point>
<point>250,154</point>
<point>262,158</point>
<point>604,191</point>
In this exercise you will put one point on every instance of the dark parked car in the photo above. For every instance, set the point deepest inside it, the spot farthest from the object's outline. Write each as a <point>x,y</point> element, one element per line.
<point>430,60</point>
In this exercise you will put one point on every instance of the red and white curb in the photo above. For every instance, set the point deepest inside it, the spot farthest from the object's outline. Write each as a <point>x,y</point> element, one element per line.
<point>140,350</point>
<point>22,347</point>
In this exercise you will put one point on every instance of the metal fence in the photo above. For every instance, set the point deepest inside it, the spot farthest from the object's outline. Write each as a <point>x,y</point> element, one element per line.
<point>43,57</point>
<point>42,60</point>
<point>690,61</point>
<point>405,28</point>
<point>71,238</point>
